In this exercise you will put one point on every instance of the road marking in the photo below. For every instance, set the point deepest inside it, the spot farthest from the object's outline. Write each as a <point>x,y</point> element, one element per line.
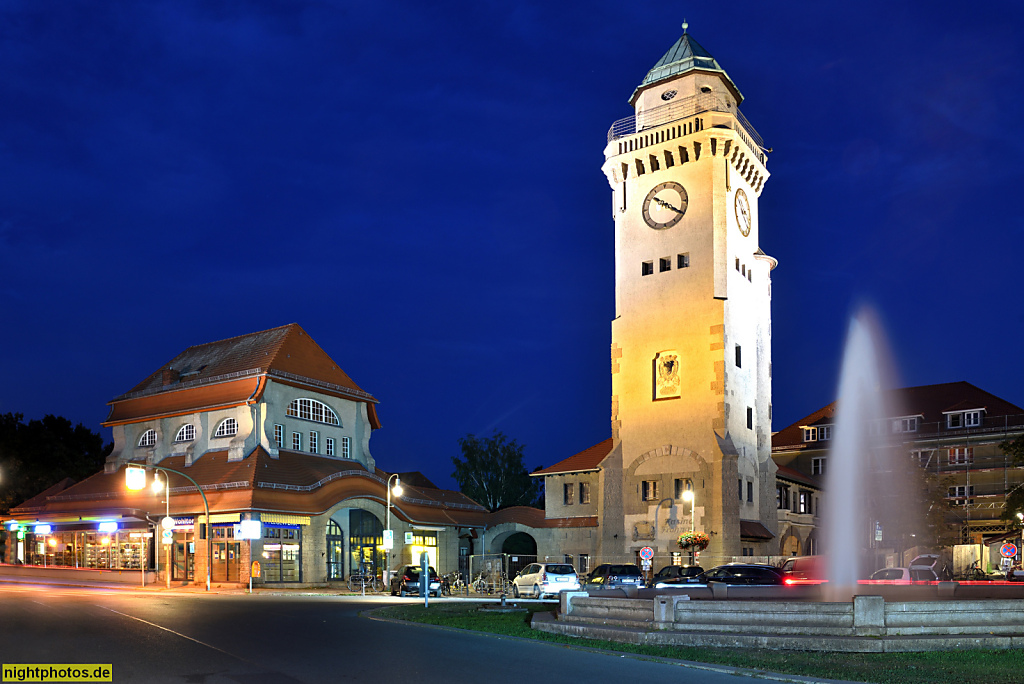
<point>183,636</point>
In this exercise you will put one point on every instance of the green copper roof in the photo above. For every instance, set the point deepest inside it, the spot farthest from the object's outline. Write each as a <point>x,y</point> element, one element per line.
<point>686,55</point>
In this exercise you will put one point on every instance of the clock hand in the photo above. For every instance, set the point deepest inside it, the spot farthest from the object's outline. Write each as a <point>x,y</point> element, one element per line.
<point>665,204</point>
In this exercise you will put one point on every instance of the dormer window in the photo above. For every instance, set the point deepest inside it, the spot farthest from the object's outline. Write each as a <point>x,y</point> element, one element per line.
<point>311,409</point>
<point>962,419</point>
<point>810,434</point>
<point>905,424</point>
<point>148,438</point>
<point>824,433</point>
<point>227,428</point>
<point>186,433</point>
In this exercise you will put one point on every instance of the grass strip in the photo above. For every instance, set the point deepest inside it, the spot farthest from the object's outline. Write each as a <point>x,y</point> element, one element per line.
<point>948,667</point>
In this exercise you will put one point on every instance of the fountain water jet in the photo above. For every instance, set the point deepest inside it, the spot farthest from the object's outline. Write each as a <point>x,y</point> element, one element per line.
<point>866,480</point>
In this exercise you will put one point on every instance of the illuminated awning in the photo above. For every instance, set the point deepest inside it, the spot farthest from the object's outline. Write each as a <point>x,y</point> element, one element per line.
<point>284,519</point>
<point>225,518</point>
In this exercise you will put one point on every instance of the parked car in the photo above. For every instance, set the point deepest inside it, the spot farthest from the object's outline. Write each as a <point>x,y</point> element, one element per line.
<point>749,574</point>
<point>803,570</point>
<point>904,575</point>
<point>407,581</point>
<point>677,575</point>
<point>540,579</point>
<point>615,576</point>
<point>932,561</point>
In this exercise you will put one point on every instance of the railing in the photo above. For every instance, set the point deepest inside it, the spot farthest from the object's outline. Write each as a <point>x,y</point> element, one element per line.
<point>689,106</point>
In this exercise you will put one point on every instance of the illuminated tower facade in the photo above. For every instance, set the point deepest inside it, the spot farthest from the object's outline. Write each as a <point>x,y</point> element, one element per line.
<point>691,339</point>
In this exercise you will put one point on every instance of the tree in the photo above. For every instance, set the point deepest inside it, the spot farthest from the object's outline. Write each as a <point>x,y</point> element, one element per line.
<point>491,472</point>
<point>38,454</point>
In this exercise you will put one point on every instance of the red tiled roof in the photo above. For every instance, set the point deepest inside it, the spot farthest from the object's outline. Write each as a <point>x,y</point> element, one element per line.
<point>296,482</point>
<point>787,473</point>
<point>928,401</point>
<point>588,459</point>
<point>534,517</point>
<point>229,372</point>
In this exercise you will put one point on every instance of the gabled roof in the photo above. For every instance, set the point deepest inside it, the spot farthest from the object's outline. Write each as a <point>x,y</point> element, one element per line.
<point>232,372</point>
<point>588,459</point>
<point>685,55</point>
<point>928,401</point>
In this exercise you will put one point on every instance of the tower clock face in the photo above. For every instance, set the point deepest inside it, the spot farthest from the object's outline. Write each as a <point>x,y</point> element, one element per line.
<point>665,205</point>
<point>743,212</point>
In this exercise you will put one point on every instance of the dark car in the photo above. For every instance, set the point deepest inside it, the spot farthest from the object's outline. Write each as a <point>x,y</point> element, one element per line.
<point>747,574</point>
<point>615,576</point>
<point>407,581</point>
<point>677,575</point>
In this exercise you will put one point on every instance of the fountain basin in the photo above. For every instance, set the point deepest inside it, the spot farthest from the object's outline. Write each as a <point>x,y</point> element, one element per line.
<point>868,623</point>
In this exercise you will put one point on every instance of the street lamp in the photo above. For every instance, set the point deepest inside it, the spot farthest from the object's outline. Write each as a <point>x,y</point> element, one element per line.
<point>167,523</point>
<point>135,479</point>
<point>688,496</point>
<point>389,539</point>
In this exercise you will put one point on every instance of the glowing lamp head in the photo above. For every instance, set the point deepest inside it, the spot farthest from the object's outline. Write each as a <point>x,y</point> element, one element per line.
<point>157,484</point>
<point>105,541</point>
<point>135,478</point>
<point>687,495</point>
<point>1020,516</point>
<point>397,489</point>
<point>52,541</point>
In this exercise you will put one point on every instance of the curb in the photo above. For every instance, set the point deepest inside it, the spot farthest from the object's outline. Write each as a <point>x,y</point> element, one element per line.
<point>689,664</point>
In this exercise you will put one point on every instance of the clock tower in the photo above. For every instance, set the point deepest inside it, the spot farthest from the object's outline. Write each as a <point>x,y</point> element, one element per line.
<point>691,339</point>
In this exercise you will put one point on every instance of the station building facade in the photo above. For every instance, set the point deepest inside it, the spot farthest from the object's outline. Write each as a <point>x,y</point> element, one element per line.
<point>271,429</point>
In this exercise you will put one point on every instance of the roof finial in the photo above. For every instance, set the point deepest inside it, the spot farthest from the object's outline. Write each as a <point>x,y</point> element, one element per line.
<point>685,25</point>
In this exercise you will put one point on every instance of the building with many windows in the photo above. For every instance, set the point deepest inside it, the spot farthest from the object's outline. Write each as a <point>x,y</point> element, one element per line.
<point>951,430</point>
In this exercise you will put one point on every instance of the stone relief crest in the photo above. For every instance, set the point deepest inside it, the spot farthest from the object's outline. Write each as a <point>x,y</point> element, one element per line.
<point>666,375</point>
<point>643,530</point>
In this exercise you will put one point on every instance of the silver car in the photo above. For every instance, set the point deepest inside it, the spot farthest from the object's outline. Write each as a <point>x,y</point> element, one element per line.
<point>540,579</point>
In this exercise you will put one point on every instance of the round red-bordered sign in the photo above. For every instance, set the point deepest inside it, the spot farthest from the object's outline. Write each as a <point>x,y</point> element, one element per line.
<point>1008,550</point>
<point>647,553</point>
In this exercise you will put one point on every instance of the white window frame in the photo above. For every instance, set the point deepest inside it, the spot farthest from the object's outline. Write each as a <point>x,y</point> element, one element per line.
<point>346,447</point>
<point>906,424</point>
<point>279,436</point>
<point>961,491</point>
<point>305,408</point>
<point>810,434</point>
<point>818,465</point>
<point>961,455</point>
<point>148,438</point>
<point>972,418</point>
<point>314,441</point>
<point>329,446</point>
<point>186,433</point>
<point>296,441</point>
<point>227,428</point>
<point>824,433</point>
<point>649,490</point>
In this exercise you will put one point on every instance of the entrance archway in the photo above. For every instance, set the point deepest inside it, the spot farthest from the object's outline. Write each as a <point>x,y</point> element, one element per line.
<point>365,541</point>
<point>520,544</point>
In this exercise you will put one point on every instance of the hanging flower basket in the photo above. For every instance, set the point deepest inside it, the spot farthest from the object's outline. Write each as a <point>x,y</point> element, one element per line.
<point>698,541</point>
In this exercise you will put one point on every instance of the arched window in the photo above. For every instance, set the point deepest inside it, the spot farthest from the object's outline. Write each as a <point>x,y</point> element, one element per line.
<point>311,409</point>
<point>227,428</point>
<point>148,438</point>
<point>186,433</point>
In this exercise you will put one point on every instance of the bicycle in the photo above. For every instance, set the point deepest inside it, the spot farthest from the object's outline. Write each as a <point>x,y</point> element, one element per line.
<point>481,585</point>
<point>457,584</point>
<point>363,581</point>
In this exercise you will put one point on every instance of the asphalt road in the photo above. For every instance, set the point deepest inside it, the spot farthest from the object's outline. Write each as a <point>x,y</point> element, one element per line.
<point>263,639</point>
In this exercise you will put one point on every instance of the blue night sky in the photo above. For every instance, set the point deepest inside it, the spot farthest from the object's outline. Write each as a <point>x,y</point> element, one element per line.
<point>418,185</point>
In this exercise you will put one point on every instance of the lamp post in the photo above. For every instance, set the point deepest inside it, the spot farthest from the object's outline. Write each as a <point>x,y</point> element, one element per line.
<point>166,523</point>
<point>688,496</point>
<point>390,539</point>
<point>134,481</point>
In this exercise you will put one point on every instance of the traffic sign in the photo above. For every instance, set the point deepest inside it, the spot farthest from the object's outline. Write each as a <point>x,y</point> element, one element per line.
<point>167,537</point>
<point>1008,550</point>
<point>647,553</point>
<point>389,539</point>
